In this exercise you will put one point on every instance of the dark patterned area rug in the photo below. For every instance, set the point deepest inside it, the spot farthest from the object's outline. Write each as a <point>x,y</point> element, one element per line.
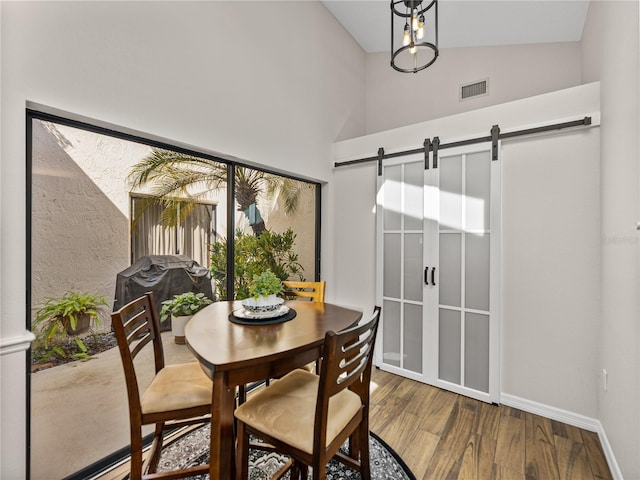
<point>193,449</point>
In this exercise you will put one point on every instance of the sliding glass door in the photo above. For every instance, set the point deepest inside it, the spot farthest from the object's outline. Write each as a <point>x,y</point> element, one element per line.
<point>89,219</point>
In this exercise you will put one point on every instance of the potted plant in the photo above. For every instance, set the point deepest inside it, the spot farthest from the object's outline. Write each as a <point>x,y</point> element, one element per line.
<point>263,291</point>
<point>181,308</point>
<point>70,315</point>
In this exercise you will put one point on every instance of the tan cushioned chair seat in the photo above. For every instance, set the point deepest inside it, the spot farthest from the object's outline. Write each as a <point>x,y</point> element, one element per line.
<point>175,387</point>
<point>286,410</point>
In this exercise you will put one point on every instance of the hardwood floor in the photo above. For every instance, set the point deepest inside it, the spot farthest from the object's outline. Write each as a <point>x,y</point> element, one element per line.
<point>444,436</point>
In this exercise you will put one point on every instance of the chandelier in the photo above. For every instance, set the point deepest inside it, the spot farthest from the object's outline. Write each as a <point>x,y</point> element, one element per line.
<point>417,47</point>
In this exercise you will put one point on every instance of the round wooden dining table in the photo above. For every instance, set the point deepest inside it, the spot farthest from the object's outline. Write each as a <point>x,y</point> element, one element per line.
<point>233,354</point>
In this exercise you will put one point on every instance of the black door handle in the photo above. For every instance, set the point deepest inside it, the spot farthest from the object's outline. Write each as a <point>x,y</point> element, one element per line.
<point>426,276</point>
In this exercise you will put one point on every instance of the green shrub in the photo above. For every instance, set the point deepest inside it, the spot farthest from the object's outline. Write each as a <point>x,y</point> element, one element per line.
<point>253,256</point>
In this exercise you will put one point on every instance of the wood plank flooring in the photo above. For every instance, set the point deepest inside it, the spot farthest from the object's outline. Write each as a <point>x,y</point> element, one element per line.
<point>444,436</point>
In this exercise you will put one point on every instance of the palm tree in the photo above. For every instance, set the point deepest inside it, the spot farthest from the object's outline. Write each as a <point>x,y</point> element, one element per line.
<point>178,181</point>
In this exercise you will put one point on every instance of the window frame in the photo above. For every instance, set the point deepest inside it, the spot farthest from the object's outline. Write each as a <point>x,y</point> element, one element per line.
<point>91,125</point>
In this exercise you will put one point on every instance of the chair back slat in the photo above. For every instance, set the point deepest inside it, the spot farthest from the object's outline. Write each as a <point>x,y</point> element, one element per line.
<point>313,291</point>
<point>351,352</point>
<point>139,346</point>
<point>352,367</point>
<point>136,325</point>
<point>140,331</point>
<point>346,362</point>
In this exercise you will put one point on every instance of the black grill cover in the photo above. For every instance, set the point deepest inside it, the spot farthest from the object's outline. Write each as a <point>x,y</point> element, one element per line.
<point>165,276</point>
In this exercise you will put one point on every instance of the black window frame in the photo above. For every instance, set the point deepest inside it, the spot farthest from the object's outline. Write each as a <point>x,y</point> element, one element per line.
<point>114,131</point>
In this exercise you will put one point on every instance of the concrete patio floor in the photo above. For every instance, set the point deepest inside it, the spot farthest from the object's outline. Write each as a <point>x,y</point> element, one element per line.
<point>79,411</point>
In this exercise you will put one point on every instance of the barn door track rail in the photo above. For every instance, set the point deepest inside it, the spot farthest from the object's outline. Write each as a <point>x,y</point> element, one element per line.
<point>434,145</point>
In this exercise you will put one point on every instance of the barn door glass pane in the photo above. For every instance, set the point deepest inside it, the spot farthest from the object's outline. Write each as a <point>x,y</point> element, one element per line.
<point>451,193</point>
<point>413,267</point>
<point>450,269</point>
<point>391,333</point>
<point>392,197</point>
<point>477,271</point>
<point>476,358</point>
<point>413,337</point>
<point>412,186</point>
<point>402,250</point>
<point>464,277</point>
<point>449,346</point>
<point>392,265</point>
<point>477,191</point>
<point>477,240</point>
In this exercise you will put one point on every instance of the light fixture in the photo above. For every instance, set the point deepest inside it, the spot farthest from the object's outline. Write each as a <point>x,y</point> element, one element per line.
<point>411,52</point>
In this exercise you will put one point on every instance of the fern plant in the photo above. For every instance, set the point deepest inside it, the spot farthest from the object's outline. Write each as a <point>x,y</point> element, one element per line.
<point>58,317</point>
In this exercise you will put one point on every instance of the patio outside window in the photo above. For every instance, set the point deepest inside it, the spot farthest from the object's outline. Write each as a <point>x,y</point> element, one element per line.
<point>86,223</point>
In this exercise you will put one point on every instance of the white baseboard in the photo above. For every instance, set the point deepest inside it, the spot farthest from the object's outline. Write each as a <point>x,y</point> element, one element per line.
<point>570,418</point>
<point>553,413</point>
<point>608,453</point>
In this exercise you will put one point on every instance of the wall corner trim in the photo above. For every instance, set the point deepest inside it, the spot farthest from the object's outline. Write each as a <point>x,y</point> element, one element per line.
<point>17,343</point>
<point>570,418</point>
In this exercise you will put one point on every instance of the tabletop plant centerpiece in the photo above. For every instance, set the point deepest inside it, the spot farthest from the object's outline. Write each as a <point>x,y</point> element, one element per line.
<point>263,290</point>
<point>181,308</point>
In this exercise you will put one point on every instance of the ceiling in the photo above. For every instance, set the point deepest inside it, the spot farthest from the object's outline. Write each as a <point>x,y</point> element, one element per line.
<point>470,23</point>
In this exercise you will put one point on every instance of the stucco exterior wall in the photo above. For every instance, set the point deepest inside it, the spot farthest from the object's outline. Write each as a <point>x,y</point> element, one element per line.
<point>80,211</point>
<point>303,226</point>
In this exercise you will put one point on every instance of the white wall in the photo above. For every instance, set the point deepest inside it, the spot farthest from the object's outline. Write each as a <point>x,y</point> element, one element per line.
<point>353,253</point>
<point>610,53</point>
<point>550,264</point>
<point>187,72</point>
<point>550,239</point>
<point>397,99</point>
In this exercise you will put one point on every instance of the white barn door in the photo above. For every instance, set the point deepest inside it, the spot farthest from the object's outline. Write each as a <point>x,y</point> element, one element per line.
<point>439,270</point>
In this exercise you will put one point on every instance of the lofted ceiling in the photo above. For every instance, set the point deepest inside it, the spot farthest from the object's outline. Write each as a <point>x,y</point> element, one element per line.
<point>470,23</point>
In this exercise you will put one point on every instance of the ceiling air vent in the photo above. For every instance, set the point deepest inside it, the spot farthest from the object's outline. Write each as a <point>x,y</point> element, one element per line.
<point>475,89</point>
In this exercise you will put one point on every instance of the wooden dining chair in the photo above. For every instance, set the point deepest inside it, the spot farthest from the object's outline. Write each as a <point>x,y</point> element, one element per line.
<point>313,291</point>
<point>309,417</point>
<point>178,395</point>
